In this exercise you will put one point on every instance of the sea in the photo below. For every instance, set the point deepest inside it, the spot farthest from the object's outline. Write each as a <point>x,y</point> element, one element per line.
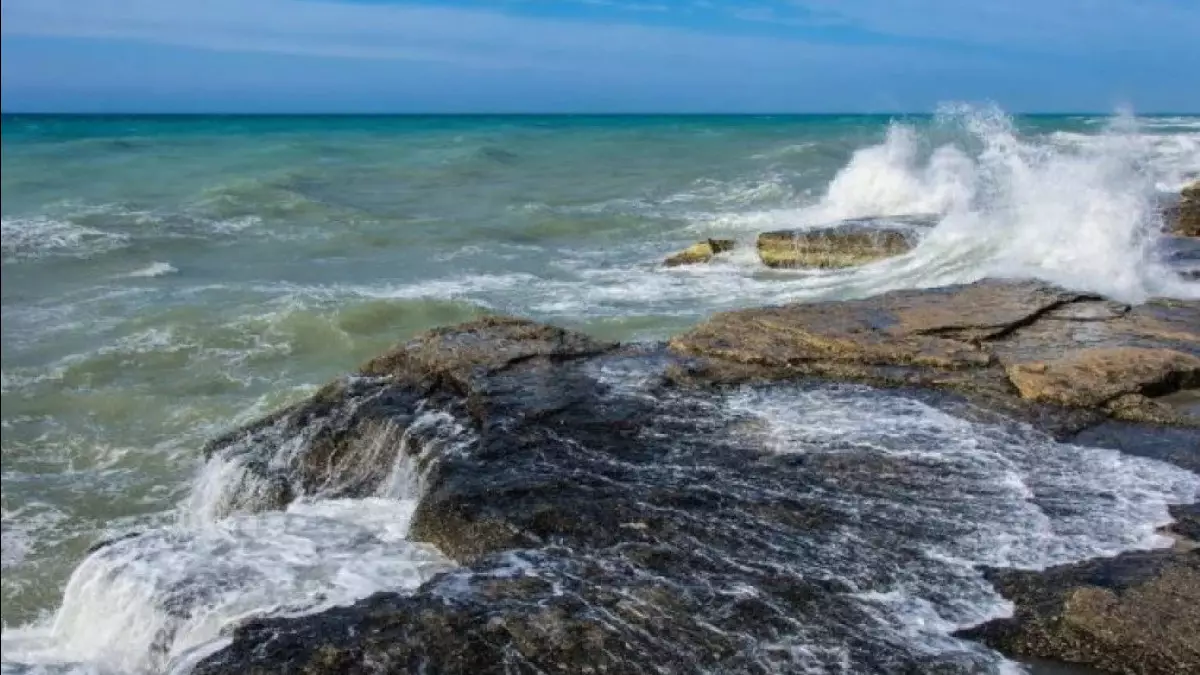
<point>168,278</point>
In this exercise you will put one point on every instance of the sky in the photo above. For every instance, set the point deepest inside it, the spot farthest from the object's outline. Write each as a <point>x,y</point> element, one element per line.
<point>598,56</point>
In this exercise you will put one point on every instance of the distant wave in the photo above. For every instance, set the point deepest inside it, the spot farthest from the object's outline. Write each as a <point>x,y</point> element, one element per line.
<point>155,269</point>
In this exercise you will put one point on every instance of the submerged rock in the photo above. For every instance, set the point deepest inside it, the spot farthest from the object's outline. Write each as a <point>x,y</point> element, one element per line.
<point>613,512</point>
<point>700,252</point>
<point>1135,613</point>
<point>844,245</point>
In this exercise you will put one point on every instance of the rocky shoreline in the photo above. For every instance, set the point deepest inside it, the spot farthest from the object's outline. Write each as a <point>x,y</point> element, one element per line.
<point>610,514</point>
<point>860,241</point>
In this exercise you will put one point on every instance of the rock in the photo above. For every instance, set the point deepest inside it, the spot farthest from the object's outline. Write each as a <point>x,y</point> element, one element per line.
<point>700,252</point>
<point>1023,341</point>
<point>1187,523</point>
<point>612,511</point>
<point>353,428</point>
<point>1184,218</point>
<point>844,245</point>
<point>1093,377</point>
<point>1136,613</point>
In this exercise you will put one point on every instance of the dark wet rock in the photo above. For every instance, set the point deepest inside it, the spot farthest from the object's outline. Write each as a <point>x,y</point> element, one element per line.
<point>1187,522</point>
<point>349,449</point>
<point>1183,219</point>
<point>1011,343</point>
<point>1178,445</point>
<point>1135,613</point>
<point>615,512</point>
<point>1182,254</point>
<point>846,244</point>
<point>104,543</point>
<point>700,252</point>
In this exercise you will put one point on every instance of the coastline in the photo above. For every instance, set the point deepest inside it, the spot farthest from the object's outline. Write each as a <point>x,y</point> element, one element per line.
<point>519,531</point>
<point>802,481</point>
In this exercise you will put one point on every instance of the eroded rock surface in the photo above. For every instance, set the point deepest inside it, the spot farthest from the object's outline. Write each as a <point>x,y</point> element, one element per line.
<point>1022,341</point>
<point>615,512</point>
<point>1136,613</point>
<point>1184,218</point>
<point>845,244</point>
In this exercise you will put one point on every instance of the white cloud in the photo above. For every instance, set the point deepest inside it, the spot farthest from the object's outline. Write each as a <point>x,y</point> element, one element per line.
<point>474,38</point>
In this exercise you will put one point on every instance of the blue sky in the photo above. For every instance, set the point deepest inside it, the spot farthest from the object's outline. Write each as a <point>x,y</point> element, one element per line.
<point>597,55</point>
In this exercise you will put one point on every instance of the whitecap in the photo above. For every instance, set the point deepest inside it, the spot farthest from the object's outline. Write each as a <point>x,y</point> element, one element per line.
<point>155,269</point>
<point>39,236</point>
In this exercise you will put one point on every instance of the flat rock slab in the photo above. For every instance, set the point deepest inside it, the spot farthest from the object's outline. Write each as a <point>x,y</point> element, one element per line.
<point>845,244</point>
<point>1092,377</point>
<point>1021,340</point>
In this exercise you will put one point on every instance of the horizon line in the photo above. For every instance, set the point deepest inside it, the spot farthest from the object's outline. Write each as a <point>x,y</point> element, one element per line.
<point>52,113</point>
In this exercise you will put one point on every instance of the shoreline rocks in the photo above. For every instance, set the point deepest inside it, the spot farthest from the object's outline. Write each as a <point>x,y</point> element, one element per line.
<point>1183,219</point>
<point>700,252</point>
<point>1136,613</point>
<point>844,245</point>
<point>1015,344</point>
<point>616,509</point>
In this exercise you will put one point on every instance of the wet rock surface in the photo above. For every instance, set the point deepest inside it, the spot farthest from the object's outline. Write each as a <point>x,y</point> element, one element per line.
<point>1135,613</point>
<point>845,244</point>
<point>1183,219</point>
<point>719,505</point>
<point>1010,343</point>
<point>700,252</point>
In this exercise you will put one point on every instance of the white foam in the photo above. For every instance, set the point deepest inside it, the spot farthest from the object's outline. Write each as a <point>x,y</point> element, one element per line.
<point>24,530</point>
<point>155,269</point>
<point>39,236</point>
<point>1015,497</point>
<point>137,604</point>
<point>895,178</point>
<point>1078,210</point>
<point>160,599</point>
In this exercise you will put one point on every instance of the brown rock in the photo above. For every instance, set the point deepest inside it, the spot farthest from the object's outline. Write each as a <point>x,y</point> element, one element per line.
<point>831,247</point>
<point>940,328</point>
<point>1184,219</point>
<point>700,252</point>
<point>457,352</point>
<point>1092,377</point>
<point>1017,340</point>
<point>1136,613</point>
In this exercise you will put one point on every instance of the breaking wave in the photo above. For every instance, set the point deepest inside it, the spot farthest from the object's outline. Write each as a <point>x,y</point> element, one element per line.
<point>1082,211</point>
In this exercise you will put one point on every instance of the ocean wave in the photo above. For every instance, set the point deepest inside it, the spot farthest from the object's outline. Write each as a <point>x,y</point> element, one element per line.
<point>786,151</point>
<point>1077,211</point>
<point>39,236</point>
<point>115,613</point>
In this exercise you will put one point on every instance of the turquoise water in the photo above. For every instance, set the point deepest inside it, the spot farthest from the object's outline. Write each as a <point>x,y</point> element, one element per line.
<point>166,278</point>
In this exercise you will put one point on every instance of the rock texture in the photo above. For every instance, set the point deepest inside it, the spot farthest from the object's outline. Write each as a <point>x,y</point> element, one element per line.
<point>1003,340</point>
<point>1136,613</point>
<point>618,509</point>
<point>844,245</point>
<point>700,252</point>
<point>1184,219</point>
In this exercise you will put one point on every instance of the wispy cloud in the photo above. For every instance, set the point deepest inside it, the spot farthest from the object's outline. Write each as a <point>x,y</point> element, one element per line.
<point>1044,25</point>
<point>771,54</point>
<point>470,37</point>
